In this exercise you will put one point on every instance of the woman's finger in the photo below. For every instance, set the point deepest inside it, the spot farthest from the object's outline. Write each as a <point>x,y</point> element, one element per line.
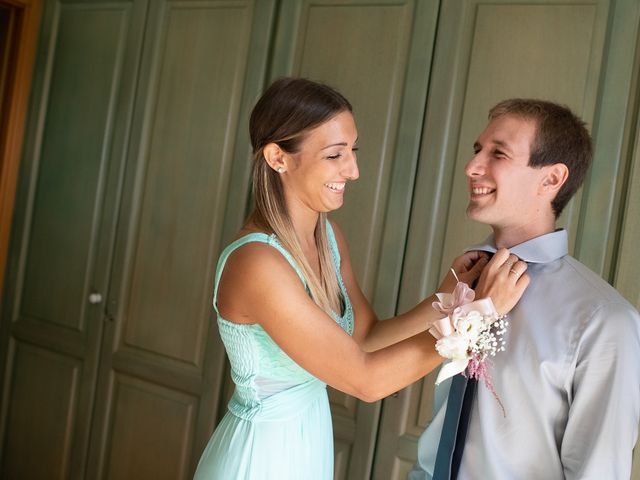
<point>467,260</point>
<point>509,262</point>
<point>501,256</point>
<point>474,272</point>
<point>517,269</point>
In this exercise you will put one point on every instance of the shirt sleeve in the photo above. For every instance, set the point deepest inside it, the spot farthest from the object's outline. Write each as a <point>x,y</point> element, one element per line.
<point>604,398</point>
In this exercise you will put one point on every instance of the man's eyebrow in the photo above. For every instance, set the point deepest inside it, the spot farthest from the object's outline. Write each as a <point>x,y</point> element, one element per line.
<point>477,146</point>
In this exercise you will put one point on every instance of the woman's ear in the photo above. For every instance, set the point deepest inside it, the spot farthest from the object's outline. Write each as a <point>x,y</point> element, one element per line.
<point>275,157</point>
<point>554,177</point>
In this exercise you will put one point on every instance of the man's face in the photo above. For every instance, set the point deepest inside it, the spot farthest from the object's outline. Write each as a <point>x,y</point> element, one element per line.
<point>504,190</point>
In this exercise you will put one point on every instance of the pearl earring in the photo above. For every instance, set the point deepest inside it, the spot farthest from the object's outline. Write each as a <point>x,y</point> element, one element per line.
<point>280,170</point>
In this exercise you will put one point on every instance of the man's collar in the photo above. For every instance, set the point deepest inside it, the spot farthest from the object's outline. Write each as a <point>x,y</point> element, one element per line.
<point>543,249</point>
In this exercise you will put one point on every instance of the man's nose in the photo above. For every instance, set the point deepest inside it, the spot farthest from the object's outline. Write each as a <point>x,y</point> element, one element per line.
<point>476,166</point>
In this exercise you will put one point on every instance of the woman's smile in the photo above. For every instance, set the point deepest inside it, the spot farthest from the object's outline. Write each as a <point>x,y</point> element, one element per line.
<point>336,187</point>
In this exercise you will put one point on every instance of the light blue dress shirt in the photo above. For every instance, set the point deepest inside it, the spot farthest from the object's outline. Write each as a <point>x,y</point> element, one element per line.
<point>569,380</point>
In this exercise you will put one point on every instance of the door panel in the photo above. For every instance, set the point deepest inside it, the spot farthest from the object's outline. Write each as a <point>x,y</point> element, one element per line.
<point>602,198</point>
<point>373,84</point>
<point>485,51</point>
<point>63,222</point>
<point>198,83</point>
<point>627,266</point>
<point>160,453</point>
<point>44,432</point>
<point>627,279</point>
<point>387,86</point>
<point>62,236</point>
<point>195,60</point>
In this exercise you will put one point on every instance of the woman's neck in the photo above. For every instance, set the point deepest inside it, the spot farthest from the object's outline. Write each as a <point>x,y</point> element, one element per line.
<point>304,224</point>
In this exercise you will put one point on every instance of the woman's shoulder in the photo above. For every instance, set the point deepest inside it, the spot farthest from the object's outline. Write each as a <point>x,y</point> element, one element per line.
<point>255,254</point>
<point>253,267</point>
<point>253,250</point>
<point>248,276</point>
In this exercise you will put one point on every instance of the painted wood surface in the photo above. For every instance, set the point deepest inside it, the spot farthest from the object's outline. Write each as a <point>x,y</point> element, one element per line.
<point>135,174</point>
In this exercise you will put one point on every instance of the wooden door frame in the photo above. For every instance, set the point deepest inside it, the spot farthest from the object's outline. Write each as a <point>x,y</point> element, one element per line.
<point>19,72</point>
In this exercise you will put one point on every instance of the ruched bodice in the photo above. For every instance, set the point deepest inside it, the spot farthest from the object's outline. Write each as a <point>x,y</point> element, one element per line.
<point>273,395</point>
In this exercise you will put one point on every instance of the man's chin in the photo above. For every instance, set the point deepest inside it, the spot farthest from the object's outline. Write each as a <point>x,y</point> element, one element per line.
<point>474,213</point>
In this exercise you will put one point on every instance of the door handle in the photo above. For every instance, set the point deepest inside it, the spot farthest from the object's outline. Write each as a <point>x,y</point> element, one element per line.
<point>95,298</point>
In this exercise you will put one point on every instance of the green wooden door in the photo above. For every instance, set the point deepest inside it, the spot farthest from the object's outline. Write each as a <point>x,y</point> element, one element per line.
<point>626,263</point>
<point>58,274</point>
<point>568,51</point>
<point>161,362</point>
<point>110,366</point>
<point>378,53</point>
<point>136,174</point>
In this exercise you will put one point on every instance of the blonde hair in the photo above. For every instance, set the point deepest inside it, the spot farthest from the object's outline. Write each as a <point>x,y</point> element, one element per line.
<point>287,110</point>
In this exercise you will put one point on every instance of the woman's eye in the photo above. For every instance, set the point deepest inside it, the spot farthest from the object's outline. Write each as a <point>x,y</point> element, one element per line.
<point>333,157</point>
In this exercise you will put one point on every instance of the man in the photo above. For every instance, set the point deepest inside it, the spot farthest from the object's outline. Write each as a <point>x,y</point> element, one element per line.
<point>569,379</point>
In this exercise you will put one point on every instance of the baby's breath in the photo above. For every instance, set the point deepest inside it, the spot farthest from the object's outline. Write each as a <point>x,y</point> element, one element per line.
<point>491,338</point>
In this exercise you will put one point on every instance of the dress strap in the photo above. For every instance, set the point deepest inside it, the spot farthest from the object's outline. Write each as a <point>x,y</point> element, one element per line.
<point>333,245</point>
<point>249,238</point>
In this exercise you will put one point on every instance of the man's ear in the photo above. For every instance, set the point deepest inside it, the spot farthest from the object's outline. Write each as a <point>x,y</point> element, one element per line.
<point>554,177</point>
<point>275,157</point>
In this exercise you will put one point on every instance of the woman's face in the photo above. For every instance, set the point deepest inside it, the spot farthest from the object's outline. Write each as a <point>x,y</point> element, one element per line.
<point>316,175</point>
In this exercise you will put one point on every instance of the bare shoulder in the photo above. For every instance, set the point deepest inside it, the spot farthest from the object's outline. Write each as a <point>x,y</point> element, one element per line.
<point>254,275</point>
<point>256,261</point>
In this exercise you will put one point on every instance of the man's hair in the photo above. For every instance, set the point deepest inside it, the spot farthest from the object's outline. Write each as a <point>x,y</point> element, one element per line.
<point>561,137</point>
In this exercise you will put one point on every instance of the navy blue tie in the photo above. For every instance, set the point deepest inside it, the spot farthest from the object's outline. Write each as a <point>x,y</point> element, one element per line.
<point>454,428</point>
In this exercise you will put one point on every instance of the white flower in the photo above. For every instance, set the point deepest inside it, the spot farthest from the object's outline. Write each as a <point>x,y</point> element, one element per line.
<point>470,325</point>
<point>453,346</point>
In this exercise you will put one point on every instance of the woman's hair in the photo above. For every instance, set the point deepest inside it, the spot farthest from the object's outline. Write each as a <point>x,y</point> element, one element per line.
<point>284,114</point>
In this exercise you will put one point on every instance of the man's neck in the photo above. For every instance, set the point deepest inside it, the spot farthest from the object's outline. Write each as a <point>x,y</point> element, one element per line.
<point>508,237</point>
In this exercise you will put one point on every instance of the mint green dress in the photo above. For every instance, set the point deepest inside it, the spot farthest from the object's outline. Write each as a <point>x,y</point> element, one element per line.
<point>278,424</point>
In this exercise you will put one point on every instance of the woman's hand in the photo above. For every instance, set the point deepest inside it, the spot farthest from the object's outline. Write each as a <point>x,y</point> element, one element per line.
<point>468,268</point>
<point>504,280</point>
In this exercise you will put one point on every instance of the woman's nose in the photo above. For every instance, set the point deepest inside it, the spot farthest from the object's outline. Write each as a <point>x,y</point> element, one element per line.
<point>351,170</point>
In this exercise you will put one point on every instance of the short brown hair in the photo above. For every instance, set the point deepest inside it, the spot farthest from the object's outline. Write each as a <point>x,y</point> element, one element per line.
<point>561,137</point>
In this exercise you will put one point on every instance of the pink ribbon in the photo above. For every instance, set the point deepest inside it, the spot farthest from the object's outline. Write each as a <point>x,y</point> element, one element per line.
<point>449,305</point>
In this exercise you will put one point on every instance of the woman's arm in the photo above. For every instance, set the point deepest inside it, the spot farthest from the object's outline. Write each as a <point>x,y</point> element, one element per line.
<point>373,334</point>
<point>259,286</point>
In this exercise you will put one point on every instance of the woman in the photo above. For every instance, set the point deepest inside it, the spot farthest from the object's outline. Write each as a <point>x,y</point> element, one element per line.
<point>290,312</point>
